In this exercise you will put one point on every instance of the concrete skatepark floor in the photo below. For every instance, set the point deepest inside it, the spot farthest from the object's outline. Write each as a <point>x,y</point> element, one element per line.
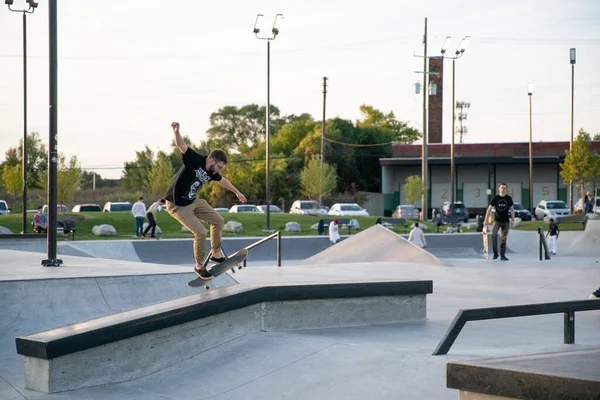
<point>379,362</point>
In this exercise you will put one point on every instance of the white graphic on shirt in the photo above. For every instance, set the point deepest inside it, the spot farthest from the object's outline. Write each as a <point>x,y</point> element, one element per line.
<point>201,178</point>
<point>502,205</point>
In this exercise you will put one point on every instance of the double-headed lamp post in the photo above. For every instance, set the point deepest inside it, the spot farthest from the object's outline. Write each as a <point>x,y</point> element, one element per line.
<point>460,50</point>
<point>32,5</point>
<point>530,94</point>
<point>272,36</point>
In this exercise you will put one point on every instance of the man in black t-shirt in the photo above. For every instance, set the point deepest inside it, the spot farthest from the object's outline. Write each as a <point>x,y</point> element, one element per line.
<point>189,210</point>
<point>502,203</point>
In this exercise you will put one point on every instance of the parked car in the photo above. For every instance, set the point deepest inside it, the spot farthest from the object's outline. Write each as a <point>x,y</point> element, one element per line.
<point>4,207</point>
<point>460,211</point>
<point>307,207</point>
<point>60,208</point>
<point>114,206</point>
<point>273,209</point>
<point>86,208</point>
<point>406,211</point>
<point>348,209</point>
<point>551,208</point>
<point>219,209</point>
<point>244,208</point>
<point>521,212</point>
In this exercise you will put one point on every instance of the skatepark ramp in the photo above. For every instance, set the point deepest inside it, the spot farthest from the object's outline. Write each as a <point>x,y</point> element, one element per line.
<point>135,343</point>
<point>375,244</point>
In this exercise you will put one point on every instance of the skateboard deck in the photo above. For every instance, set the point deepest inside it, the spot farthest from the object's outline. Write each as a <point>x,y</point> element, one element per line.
<point>235,260</point>
<point>485,243</point>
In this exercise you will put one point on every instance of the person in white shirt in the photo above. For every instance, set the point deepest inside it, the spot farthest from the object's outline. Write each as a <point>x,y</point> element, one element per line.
<point>139,212</point>
<point>151,214</point>
<point>334,235</point>
<point>416,236</point>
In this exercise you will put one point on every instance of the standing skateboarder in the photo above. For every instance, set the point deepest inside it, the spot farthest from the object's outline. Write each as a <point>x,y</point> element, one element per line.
<point>502,203</point>
<point>189,210</point>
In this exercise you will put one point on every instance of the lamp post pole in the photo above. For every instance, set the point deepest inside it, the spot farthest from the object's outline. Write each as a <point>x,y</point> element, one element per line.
<point>572,56</point>
<point>32,6</point>
<point>530,93</point>
<point>274,33</point>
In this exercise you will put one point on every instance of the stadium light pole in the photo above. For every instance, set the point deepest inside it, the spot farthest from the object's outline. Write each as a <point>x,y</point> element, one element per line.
<point>530,94</point>
<point>32,5</point>
<point>572,57</point>
<point>272,36</point>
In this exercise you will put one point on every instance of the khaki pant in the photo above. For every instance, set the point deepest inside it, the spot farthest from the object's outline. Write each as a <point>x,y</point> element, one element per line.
<point>505,225</point>
<point>190,217</point>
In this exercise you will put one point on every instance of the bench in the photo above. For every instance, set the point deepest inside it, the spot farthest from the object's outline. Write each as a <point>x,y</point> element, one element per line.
<point>581,218</point>
<point>394,222</point>
<point>446,220</point>
<point>130,344</point>
<point>67,227</point>
<point>341,222</point>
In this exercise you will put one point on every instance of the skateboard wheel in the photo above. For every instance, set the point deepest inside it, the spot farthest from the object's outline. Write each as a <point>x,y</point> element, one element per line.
<point>206,287</point>
<point>239,267</point>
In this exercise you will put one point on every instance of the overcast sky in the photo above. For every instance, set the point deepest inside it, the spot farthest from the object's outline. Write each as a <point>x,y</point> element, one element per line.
<point>128,68</point>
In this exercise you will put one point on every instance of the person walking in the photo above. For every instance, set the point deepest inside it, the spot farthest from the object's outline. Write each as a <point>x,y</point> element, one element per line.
<point>188,209</point>
<point>504,217</point>
<point>416,236</point>
<point>553,232</point>
<point>39,222</point>
<point>334,234</point>
<point>151,215</point>
<point>139,212</point>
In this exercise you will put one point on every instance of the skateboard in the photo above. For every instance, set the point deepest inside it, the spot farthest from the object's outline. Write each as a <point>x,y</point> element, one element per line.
<point>485,243</point>
<point>235,260</point>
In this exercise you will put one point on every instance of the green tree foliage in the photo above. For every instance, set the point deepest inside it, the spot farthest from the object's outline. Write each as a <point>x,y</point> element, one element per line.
<point>135,175</point>
<point>37,158</point>
<point>596,136</point>
<point>316,181</point>
<point>13,180</point>
<point>401,132</point>
<point>87,181</point>
<point>581,165</point>
<point>160,175</point>
<point>414,188</point>
<point>68,178</point>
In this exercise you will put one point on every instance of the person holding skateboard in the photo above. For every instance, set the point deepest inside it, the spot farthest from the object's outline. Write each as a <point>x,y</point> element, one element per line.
<point>151,215</point>
<point>502,203</point>
<point>185,207</point>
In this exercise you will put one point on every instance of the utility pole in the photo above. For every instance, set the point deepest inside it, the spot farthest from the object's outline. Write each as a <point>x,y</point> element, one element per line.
<point>424,212</point>
<point>464,107</point>
<point>323,122</point>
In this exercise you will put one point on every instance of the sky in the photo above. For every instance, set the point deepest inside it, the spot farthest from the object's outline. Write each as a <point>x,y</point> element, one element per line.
<point>127,69</point>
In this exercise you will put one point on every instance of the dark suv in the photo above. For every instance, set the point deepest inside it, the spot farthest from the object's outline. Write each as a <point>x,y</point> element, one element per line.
<point>461,212</point>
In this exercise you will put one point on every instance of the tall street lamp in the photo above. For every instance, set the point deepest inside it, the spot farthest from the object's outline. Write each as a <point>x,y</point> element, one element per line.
<point>572,57</point>
<point>274,33</point>
<point>32,5</point>
<point>460,50</point>
<point>530,93</point>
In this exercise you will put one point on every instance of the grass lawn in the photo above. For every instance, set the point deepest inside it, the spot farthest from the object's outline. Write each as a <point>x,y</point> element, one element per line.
<point>253,224</point>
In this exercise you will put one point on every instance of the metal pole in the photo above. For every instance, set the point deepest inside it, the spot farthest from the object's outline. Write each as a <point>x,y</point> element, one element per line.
<point>424,212</point>
<point>452,139</point>
<point>572,111</point>
<point>52,261</point>
<point>24,152</point>
<point>323,122</point>
<point>268,135</point>
<point>530,157</point>
<point>279,248</point>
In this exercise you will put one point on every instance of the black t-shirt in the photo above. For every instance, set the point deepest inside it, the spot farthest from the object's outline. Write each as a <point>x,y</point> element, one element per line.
<point>190,178</point>
<point>502,205</point>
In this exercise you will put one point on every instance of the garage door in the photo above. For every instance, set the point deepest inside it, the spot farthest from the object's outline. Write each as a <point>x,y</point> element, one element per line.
<point>475,195</point>
<point>440,193</point>
<point>544,191</point>
<point>514,190</point>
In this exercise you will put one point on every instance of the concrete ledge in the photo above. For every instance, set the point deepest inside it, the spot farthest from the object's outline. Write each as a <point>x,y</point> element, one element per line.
<point>138,342</point>
<point>568,375</point>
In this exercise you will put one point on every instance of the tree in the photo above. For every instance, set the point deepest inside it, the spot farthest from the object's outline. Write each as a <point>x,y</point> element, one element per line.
<point>413,189</point>
<point>316,181</point>
<point>581,164</point>
<point>13,180</point>
<point>160,175</point>
<point>68,178</point>
<point>37,159</point>
<point>135,175</point>
<point>596,136</point>
<point>402,133</point>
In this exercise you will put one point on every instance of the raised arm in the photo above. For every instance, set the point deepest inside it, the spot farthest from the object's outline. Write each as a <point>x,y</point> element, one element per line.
<point>229,186</point>
<point>178,138</point>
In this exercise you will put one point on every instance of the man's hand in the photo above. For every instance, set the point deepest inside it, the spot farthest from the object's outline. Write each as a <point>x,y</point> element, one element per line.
<point>241,197</point>
<point>512,222</point>
<point>175,126</point>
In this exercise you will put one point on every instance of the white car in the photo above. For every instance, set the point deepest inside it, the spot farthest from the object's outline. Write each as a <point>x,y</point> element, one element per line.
<point>244,208</point>
<point>86,208</point>
<point>60,208</point>
<point>406,211</point>
<point>114,206</point>
<point>551,208</point>
<point>348,209</point>
<point>272,209</point>
<point>307,207</point>
<point>4,207</point>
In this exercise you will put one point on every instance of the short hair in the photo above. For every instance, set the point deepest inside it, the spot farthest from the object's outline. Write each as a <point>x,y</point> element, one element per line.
<point>140,199</point>
<point>416,224</point>
<point>503,184</point>
<point>40,207</point>
<point>218,155</point>
<point>162,201</point>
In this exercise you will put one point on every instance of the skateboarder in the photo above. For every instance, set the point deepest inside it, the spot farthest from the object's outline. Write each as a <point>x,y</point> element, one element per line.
<point>334,234</point>
<point>139,211</point>
<point>189,210</point>
<point>39,222</point>
<point>151,215</point>
<point>553,232</point>
<point>416,236</point>
<point>502,203</point>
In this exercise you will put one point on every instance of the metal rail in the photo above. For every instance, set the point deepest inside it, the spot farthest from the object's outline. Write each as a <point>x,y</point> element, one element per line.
<point>276,235</point>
